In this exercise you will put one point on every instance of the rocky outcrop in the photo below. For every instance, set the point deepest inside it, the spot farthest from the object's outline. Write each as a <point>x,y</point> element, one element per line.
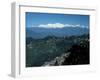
<point>78,54</point>
<point>57,61</point>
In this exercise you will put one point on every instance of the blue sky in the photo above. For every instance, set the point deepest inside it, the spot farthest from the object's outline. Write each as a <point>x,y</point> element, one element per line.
<point>50,20</point>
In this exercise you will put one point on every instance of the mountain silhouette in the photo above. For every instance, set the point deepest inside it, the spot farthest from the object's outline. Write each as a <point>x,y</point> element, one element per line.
<point>37,32</point>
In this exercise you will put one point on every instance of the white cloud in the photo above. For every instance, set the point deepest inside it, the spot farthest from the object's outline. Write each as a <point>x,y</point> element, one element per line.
<point>56,25</point>
<point>60,25</point>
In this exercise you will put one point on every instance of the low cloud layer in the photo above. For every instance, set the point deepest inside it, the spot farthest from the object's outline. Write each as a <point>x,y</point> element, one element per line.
<point>60,25</point>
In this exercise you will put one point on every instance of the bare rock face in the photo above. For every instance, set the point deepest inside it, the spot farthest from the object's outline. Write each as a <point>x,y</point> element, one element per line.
<point>57,61</point>
<point>78,54</point>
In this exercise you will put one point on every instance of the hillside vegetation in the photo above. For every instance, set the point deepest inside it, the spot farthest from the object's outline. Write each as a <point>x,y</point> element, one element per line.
<point>54,51</point>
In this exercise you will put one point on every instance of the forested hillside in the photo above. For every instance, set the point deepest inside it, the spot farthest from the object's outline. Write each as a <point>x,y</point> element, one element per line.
<point>42,52</point>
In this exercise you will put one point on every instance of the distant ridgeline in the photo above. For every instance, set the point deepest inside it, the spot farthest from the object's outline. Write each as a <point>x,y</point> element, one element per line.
<point>54,50</point>
<point>40,33</point>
